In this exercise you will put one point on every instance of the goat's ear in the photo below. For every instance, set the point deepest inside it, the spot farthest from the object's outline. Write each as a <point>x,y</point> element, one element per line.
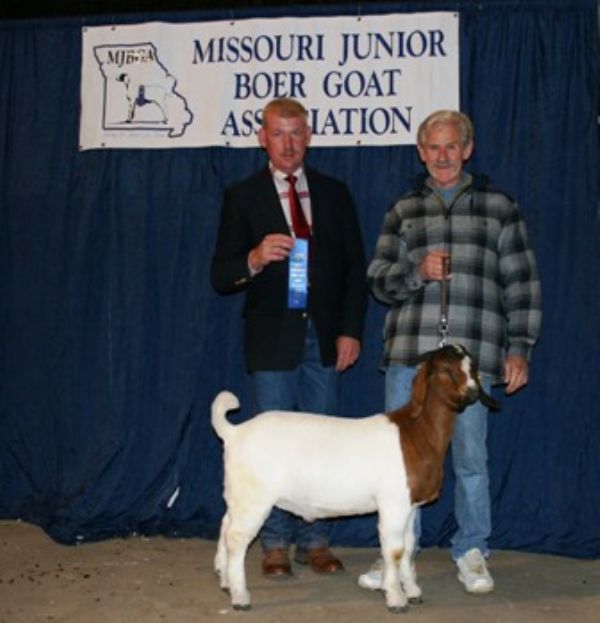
<point>419,389</point>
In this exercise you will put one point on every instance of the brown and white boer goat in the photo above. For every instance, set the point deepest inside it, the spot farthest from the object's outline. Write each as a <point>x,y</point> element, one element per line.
<point>390,463</point>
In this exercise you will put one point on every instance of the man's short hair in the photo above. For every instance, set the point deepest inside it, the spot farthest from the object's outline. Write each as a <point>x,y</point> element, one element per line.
<point>284,107</point>
<point>447,117</point>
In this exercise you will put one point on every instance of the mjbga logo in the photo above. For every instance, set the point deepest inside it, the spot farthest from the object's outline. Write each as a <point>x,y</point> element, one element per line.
<point>139,91</point>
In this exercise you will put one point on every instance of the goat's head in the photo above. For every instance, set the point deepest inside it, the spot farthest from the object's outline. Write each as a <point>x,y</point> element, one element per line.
<point>454,370</point>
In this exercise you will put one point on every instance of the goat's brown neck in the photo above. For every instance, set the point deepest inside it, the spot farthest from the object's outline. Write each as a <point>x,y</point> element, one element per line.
<point>436,421</point>
<point>424,438</point>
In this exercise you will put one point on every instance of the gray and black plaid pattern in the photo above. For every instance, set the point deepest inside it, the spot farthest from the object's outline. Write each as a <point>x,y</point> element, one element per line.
<point>494,297</point>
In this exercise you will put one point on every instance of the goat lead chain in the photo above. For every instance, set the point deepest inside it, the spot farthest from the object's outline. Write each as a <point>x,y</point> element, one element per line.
<point>443,323</point>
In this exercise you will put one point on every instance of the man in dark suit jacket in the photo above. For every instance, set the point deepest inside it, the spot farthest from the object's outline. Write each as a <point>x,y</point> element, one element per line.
<point>295,352</point>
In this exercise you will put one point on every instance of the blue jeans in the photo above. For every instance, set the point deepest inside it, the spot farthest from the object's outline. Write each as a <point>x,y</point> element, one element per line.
<point>472,507</point>
<point>309,387</point>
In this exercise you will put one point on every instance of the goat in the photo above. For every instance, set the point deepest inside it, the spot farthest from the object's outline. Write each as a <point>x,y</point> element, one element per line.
<point>139,94</point>
<point>389,463</point>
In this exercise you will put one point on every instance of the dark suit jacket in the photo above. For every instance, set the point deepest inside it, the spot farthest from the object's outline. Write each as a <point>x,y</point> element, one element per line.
<point>274,335</point>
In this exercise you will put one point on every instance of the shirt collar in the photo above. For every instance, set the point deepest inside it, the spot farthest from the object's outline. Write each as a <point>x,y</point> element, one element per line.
<point>465,180</point>
<point>280,175</point>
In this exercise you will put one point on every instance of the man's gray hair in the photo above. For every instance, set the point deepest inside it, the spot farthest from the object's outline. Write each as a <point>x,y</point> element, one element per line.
<point>447,117</point>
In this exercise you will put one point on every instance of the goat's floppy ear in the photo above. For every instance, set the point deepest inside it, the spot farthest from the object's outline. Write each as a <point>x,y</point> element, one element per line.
<point>486,399</point>
<point>419,389</point>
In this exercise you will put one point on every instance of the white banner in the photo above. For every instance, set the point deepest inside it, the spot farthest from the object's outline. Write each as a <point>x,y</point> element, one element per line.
<point>365,80</point>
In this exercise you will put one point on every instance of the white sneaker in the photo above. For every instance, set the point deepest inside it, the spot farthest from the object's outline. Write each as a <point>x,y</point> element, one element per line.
<point>473,572</point>
<point>372,580</point>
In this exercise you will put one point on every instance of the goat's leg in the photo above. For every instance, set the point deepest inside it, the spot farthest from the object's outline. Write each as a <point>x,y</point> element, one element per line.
<point>408,575</point>
<point>242,528</point>
<point>220,563</point>
<point>391,532</point>
<point>237,544</point>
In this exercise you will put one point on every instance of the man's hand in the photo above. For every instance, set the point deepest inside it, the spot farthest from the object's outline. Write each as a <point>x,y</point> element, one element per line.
<point>434,266</point>
<point>516,373</point>
<point>272,248</point>
<point>348,350</point>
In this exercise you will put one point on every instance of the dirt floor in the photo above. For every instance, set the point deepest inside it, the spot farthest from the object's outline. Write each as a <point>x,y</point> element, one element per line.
<point>161,580</point>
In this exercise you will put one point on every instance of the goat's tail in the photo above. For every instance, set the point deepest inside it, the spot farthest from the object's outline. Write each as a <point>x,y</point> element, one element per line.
<point>224,402</point>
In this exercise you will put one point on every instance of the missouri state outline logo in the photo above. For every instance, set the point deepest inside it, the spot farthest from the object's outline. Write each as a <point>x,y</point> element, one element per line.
<point>140,93</point>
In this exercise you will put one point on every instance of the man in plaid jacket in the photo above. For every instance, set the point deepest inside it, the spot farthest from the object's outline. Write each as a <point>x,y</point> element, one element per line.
<point>453,232</point>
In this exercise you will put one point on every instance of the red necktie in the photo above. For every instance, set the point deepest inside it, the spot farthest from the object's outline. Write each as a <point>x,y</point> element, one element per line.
<point>299,224</point>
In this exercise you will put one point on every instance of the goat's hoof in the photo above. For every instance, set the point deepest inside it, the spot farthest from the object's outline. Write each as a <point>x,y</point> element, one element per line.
<point>398,609</point>
<point>415,600</point>
<point>241,607</point>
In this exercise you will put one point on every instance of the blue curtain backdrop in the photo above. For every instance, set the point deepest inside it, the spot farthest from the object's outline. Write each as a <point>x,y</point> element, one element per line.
<point>113,343</point>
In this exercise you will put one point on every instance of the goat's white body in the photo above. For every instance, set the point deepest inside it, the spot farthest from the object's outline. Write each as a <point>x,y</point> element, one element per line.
<point>281,456</point>
<point>314,466</point>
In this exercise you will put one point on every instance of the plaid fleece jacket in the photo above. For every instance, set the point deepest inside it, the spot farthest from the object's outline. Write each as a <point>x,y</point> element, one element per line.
<point>494,299</point>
